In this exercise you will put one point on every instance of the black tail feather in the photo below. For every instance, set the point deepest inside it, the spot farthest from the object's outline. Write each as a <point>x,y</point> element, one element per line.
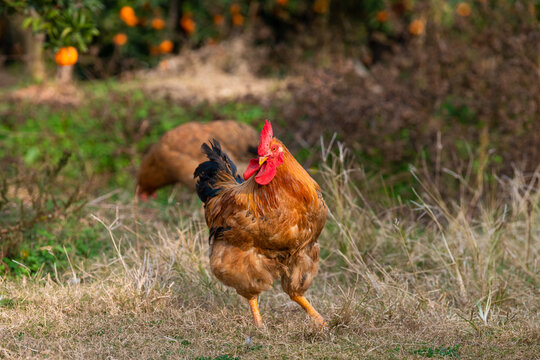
<point>208,172</point>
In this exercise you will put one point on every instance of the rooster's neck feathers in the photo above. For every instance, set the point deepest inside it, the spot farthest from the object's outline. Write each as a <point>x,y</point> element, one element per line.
<point>291,181</point>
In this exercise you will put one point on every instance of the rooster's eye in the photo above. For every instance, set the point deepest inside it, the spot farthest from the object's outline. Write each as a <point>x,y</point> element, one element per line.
<point>274,148</point>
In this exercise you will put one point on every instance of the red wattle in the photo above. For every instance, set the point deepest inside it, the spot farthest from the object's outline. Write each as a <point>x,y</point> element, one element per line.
<point>267,173</point>
<point>252,168</point>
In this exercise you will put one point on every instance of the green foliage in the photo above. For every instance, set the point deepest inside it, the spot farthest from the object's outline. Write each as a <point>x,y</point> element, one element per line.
<point>245,113</point>
<point>431,352</point>
<point>6,302</point>
<point>66,23</point>
<point>33,243</point>
<point>42,187</point>
<point>221,357</point>
<point>185,342</point>
<point>453,111</point>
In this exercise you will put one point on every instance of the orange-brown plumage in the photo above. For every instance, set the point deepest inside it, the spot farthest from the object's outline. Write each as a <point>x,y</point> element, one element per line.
<point>174,158</point>
<point>259,233</point>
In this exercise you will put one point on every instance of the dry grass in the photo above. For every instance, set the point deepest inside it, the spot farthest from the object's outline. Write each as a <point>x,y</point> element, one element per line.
<point>213,73</point>
<point>429,278</point>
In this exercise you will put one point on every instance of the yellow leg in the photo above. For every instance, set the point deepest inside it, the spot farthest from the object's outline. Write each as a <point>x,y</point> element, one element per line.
<point>302,301</point>
<point>255,311</point>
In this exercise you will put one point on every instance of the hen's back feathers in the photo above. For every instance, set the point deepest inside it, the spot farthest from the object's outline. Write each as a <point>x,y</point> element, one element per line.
<point>174,158</point>
<point>218,169</point>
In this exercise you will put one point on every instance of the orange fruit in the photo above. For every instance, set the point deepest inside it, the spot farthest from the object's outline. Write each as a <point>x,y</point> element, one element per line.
<point>158,23</point>
<point>382,16</point>
<point>66,56</point>
<point>219,19</point>
<point>166,46</point>
<point>235,9</point>
<point>238,20</point>
<point>127,14</point>
<point>120,39</point>
<point>321,6</point>
<point>417,27</point>
<point>187,24</point>
<point>282,2</point>
<point>463,9</point>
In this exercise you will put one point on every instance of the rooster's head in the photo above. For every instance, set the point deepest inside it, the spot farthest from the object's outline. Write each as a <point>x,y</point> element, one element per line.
<point>270,157</point>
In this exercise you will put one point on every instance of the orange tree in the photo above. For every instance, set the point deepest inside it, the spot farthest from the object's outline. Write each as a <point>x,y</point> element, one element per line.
<point>134,34</point>
<point>137,33</point>
<point>65,27</point>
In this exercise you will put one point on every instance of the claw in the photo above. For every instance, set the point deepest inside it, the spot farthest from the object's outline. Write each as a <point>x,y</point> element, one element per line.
<point>302,301</point>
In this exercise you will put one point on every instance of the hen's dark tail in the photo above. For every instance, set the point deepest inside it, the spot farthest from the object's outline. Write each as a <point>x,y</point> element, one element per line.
<point>217,170</point>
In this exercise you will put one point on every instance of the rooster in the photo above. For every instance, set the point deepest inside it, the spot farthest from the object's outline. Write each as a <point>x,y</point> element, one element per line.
<point>174,158</point>
<point>265,225</point>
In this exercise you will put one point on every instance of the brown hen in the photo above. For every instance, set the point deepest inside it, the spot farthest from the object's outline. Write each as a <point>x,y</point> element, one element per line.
<point>263,228</point>
<point>174,158</point>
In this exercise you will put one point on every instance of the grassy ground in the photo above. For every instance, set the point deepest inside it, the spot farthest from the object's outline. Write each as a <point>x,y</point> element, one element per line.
<point>107,277</point>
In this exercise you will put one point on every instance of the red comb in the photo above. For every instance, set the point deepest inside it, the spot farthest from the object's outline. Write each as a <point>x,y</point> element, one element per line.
<point>266,136</point>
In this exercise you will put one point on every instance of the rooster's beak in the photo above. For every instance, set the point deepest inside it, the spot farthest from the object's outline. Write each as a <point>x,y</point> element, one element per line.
<point>262,159</point>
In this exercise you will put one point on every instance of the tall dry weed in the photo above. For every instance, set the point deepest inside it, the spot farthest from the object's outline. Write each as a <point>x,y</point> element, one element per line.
<point>478,253</point>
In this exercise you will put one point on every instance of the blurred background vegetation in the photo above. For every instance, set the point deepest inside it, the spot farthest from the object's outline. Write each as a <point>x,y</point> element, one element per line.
<point>444,86</point>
